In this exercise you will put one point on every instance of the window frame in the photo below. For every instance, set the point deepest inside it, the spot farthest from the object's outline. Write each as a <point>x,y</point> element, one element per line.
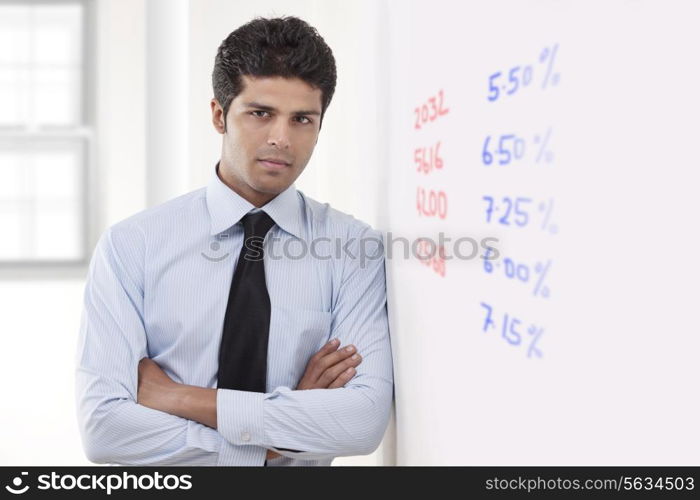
<point>85,134</point>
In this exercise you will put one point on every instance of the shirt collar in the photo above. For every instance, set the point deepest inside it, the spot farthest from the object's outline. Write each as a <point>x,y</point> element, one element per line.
<point>226,207</point>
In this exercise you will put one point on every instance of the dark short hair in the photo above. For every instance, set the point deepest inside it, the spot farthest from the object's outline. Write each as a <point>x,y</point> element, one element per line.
<point>283,46</point>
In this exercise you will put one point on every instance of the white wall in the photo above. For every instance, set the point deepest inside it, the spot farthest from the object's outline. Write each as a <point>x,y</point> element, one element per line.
<point>121,105</point>
<point>607,268</point>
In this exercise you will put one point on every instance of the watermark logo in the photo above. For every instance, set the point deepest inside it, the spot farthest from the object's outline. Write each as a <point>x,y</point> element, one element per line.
<point>386,246</point>
<point>215,247</point>
<point>16,488</point>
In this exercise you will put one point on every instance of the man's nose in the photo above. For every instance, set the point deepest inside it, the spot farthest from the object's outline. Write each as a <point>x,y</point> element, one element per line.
<point>279,134</point>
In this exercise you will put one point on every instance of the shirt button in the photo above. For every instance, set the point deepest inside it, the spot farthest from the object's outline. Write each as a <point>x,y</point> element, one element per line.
<point>245,436</point>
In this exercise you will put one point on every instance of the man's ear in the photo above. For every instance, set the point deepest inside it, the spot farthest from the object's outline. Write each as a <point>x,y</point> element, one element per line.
<point>217,116</point>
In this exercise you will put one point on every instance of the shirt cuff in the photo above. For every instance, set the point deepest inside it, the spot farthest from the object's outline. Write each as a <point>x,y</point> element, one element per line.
<point>239,416</point>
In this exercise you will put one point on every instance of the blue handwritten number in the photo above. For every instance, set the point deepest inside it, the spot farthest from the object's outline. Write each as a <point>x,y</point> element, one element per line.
<point>489,210</point>
<point>514,79</point>
<point>488,322</point>
<point>486,157</point>
<point>512,325</point>
<point>521,212</point>
<point>504,220</point>
<point>493,89</point>
<point>504,151</point>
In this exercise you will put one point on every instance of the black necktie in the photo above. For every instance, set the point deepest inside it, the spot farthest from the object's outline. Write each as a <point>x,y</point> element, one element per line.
<point>243,349</point>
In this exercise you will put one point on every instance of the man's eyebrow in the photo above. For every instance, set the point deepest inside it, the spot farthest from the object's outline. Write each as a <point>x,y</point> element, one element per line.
<point>257,105</point>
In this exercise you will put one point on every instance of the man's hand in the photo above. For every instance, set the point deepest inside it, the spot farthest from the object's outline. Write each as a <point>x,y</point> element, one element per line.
<point>155,389</point>
<point>330,367</point>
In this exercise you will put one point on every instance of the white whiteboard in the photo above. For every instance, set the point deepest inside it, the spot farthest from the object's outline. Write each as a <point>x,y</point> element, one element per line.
<point>604,258</point>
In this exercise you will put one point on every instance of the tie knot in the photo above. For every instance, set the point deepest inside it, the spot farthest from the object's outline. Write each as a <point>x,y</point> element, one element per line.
<point>257,224</point>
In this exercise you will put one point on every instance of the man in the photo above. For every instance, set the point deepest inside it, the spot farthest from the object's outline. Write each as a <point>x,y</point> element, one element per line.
<point>199,345</point>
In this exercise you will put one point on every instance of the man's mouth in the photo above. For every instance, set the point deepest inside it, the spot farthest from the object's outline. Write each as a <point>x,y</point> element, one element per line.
<point>274,163</point>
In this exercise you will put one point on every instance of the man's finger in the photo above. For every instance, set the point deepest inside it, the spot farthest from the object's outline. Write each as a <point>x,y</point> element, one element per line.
<point>343,378</point>
<point>333,372</point>
<point>322,361</point>
<point>314,368</point>
<point>335,357</point>
<point>330,346</point>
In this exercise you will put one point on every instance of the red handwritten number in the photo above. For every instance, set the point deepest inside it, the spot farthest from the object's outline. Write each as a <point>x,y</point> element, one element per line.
<point>443,111</point>
<point>436,203</point>
<point>438,160</point>
<point>424,114</point>
<point>434,107</point>
<point>430,203</point>
<point>434,162</point>
<point>427,256</point>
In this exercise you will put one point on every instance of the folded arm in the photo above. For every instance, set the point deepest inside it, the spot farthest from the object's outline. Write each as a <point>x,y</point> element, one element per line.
<point>112,340</point>
<point>349,420</point>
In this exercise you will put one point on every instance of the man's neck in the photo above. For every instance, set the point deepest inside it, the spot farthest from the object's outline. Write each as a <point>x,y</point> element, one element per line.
<point>255,197</point>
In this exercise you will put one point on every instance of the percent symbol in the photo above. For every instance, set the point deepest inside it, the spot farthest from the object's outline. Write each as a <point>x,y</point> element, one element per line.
<point>540,288</point>
<point>543,151</point>
<point>547,209</point>
<point>548,56</point>
<point>532,348</point>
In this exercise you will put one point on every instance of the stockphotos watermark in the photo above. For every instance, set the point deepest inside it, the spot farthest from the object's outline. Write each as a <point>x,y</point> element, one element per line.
<point>101,482</point>
<point>366,248</point>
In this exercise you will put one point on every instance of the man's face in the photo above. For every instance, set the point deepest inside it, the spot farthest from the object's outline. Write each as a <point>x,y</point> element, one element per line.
<point>272,118</point>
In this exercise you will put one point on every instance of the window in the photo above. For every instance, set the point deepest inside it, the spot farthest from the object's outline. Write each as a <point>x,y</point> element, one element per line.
<point>45,136</point>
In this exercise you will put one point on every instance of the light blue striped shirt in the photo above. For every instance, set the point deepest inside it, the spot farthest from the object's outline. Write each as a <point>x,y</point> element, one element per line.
<point>158,287</point>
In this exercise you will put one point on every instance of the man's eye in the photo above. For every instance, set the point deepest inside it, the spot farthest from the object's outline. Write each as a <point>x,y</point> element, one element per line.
<point>304,118</point>
<point>258,111</point>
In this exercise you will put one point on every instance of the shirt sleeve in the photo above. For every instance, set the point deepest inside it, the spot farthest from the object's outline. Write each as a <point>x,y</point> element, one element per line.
<point>323,423</point>
<point>111,342</point>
